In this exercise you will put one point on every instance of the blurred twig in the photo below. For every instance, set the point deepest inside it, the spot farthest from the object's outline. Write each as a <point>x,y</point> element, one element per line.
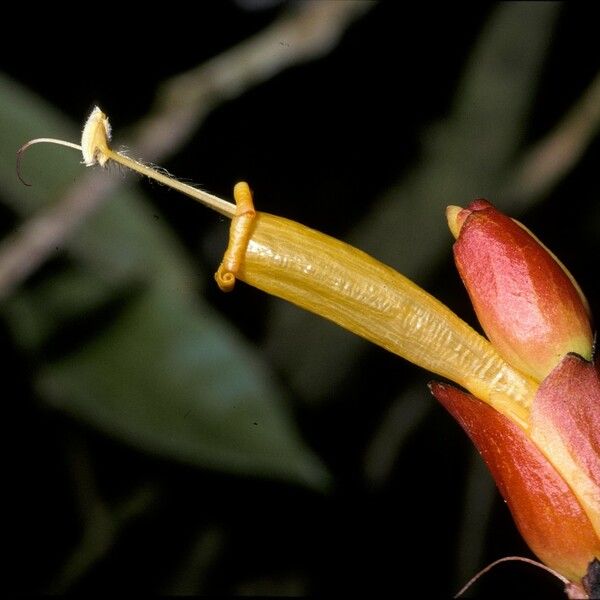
<point>557,153</point>
<point>478,503</point>
<point>191,577</point>
<point>101,525</point>
<point>304,32</point>
<point>402,418</point>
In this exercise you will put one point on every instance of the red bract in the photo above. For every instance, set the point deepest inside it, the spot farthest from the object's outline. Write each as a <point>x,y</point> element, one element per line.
<point>565,424</point>
<point>545,509</point>
<point>527,303</point>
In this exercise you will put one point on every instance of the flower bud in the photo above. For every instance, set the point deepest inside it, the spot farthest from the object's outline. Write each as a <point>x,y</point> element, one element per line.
<point>528,304</point>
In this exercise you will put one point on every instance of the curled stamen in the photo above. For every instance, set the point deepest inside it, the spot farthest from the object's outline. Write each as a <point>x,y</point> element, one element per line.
<point>95,149</point>
<point>24,147</point>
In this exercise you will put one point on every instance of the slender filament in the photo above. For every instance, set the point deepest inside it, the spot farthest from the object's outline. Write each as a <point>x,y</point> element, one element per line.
<point>221,206</point>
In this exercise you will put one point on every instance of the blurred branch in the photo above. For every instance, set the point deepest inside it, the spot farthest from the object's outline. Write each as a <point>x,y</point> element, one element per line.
<point>191,577</point>
<point>306,31</point>
<point>402,418</point>
<point>101,525</point>
<point>477,506</point>
<point>309,31</point>
<point>556,154</point>
<point>29,246</point>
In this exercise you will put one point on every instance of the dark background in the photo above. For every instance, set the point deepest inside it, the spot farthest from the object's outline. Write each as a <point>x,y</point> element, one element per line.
<point>319,143</point>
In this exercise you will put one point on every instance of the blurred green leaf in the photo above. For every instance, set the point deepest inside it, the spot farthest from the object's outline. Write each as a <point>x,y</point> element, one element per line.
<point>162,370</point>
<point>465,157</point>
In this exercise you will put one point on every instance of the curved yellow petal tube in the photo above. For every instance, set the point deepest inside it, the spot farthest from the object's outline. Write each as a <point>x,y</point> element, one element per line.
<point>347,286</point>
